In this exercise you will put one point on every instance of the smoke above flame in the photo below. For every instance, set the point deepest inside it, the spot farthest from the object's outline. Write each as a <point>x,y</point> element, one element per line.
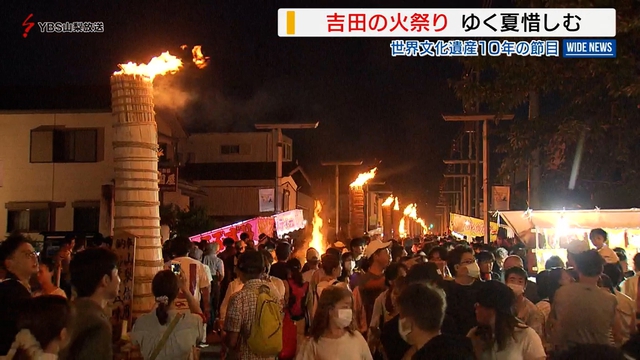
<point>164,64</point>
<point>317,239</point>
<point>388,201</point>
<point>364,177</point>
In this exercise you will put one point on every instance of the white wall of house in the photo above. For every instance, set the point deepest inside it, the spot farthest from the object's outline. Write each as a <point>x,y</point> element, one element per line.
<point>29,178</point>
<point>29,173</point>
<point>232,147</point>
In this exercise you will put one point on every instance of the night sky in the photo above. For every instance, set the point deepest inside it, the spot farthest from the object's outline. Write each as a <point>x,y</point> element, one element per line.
<point>371,107</point>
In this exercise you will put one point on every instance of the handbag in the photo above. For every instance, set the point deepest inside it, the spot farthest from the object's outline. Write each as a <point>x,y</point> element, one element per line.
<point>165,336</point>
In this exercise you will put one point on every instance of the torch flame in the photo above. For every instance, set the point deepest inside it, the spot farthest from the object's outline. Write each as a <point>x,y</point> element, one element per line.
<point>401,229</point>
<point>364,177</point>
<point>159,65</point>
<point>411,211</point>
<point>183,47</point>
<point>389,201</point>
<point>396,207</point>
<point>317,240</point>
<point>199,59</point>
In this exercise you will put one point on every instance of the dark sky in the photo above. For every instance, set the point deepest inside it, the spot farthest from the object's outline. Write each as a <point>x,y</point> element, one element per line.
<point>371,106</point>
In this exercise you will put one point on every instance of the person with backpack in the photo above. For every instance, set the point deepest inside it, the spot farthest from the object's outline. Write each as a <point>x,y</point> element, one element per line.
<point>253,323</point>
<point>298,294</point>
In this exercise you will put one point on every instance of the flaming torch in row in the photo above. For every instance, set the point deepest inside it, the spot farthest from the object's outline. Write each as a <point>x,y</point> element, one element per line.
<point>135,157</point>
<point>356,203</point>
<point>387,226</point>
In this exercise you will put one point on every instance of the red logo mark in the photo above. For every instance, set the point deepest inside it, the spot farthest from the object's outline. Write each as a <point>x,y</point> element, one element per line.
<point>28,26</point>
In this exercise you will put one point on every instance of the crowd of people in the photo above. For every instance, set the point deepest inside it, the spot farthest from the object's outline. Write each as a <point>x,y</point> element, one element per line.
<point>423,298</point>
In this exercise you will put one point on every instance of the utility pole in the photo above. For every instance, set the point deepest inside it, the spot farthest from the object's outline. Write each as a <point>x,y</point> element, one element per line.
<point>485,160</point>
<point>337,164</point>
<point>533,172</point>
<point>277,137</point>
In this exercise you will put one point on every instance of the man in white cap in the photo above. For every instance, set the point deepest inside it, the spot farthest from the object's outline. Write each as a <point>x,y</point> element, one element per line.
<point>372,283</point>
<point>574,248</point>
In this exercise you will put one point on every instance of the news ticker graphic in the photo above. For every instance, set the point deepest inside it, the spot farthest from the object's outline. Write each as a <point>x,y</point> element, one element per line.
<point>449,23</point>
<point>574,48</point>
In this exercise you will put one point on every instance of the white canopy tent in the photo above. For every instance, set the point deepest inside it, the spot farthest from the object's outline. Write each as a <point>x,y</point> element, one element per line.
<point>524,221</point>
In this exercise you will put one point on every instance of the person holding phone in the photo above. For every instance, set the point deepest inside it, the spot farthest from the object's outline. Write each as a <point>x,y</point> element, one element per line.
<point>165,332</point>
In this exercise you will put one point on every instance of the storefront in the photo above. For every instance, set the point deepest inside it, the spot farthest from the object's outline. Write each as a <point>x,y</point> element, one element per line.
<point>548,232</point>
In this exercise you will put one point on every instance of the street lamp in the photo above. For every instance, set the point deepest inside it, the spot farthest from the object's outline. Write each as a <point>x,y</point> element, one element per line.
<point>277,134</point>
<point>337,164</point>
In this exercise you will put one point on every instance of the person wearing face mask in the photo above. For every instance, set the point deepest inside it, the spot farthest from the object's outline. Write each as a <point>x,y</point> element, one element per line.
<point>348,267</point>
<point>462,291</point>
<point>528,312</point>
<point>333,334</point>
<point>421,328</point>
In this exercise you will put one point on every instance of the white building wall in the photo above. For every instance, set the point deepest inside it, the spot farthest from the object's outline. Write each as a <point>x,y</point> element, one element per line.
<point>23,181</point>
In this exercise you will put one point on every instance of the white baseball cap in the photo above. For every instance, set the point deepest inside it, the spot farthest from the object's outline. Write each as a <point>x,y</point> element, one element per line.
<point>577,247</point>
<point>374,246</point>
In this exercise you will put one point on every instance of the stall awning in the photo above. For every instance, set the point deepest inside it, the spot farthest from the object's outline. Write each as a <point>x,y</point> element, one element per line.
<point>522,221</point>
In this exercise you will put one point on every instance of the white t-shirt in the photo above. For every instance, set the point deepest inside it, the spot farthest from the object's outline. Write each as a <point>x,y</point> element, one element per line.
<point>526,346</point>
<point>196,275</point>
<point>348,347</point>
<point>608,255</point>
<point>147,333</point>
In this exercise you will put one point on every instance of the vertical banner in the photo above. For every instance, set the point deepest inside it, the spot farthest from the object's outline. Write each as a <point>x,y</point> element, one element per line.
<point>124,246</point>
<point>266,202</point>
<point>501,195</point>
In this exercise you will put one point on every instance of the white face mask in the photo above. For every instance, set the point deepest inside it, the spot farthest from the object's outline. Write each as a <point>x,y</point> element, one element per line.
<point>344,318</point>
<point>517,289</point>
<point>473,270</point>
<point>404,328</point>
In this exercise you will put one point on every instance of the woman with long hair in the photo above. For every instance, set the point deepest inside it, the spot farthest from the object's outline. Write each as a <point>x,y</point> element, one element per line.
<point>42,328</point>
<point>499,334</point>
<point>333,334</point>
<point>182,330</point>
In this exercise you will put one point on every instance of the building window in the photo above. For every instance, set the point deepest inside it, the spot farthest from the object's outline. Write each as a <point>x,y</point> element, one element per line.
<point>286,152</point>
<point>64,145</point>
<point>229,149</point>
<point>86,219</point>
<point>163,148</point>
<point>29,221</point>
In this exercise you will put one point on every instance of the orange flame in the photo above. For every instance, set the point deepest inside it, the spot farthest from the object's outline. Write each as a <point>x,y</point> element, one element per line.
<point>317,239</point>
<point>183,47</point>
<point>411,211</point>
<point>199,59</point>
<point>364,177</point>
<point>396,207</point>
<point>389,201</point>
<point>401,229</point>
<point>159,65</point>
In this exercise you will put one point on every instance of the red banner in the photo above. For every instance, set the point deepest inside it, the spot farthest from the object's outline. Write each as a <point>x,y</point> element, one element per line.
<point>253,228</point>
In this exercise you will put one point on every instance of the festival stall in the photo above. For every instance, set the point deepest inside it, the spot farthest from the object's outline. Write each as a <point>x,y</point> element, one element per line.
<point>281,224</point>
<point>461,226</point>
<point>549,232</point>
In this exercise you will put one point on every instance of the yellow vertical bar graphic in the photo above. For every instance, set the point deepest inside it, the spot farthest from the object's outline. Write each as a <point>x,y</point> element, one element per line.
<point>291,22</point>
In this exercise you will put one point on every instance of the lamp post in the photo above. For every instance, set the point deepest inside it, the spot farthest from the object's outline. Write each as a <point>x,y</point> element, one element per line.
<point>277,135</point>
<point>337,164</point>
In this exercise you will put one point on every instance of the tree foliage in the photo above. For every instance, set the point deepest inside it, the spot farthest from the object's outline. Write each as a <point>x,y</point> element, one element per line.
<point>186,222</point>
<point>595,98</point>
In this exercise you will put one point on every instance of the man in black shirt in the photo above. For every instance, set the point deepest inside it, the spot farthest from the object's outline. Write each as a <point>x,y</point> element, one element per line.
<point>279,269</point>
<point>19,259</point>
<point>421,328</point>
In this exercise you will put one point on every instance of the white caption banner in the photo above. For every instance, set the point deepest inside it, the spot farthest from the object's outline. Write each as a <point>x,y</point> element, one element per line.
<point>448,23</point>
